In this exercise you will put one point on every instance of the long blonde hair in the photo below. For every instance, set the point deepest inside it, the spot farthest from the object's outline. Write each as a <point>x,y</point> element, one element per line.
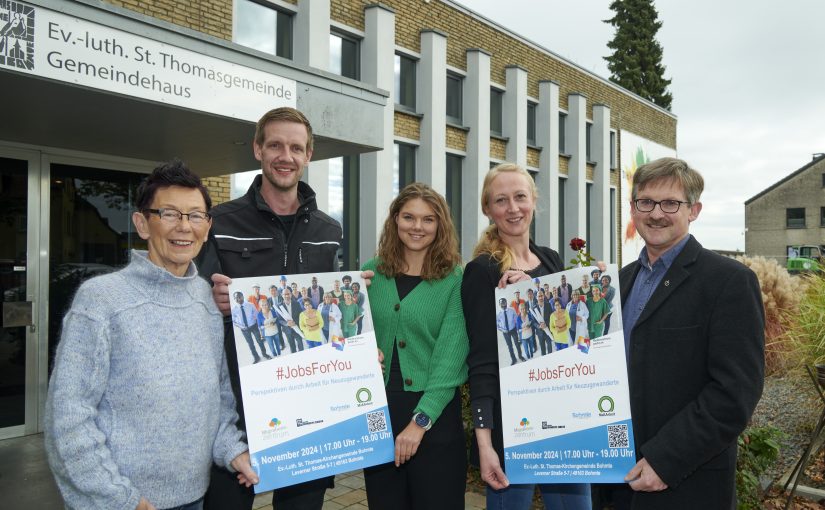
<point>442,255</point>
<point>491,243</point>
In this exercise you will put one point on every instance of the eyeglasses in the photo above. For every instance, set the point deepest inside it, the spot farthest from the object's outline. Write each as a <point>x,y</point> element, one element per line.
<point>173,216</point>
<point>647,205</point>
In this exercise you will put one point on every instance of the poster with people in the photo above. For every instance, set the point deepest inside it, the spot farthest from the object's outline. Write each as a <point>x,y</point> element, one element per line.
<point>312,386</point>
<point>565,404</point>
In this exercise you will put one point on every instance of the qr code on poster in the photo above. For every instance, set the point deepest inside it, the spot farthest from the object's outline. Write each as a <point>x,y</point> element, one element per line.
<point>617,436</point>
<point>376,422</point>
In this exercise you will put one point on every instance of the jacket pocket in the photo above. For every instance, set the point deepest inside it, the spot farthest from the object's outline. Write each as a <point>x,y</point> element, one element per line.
<point>317,257</point>
<point>244,248</point>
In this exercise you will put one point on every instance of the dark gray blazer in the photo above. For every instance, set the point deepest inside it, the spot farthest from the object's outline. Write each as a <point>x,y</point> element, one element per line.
<point>696,370</point>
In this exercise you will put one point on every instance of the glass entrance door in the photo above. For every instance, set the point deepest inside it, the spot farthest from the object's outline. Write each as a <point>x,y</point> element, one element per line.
<point>19,214</point>
<point>90,233</point>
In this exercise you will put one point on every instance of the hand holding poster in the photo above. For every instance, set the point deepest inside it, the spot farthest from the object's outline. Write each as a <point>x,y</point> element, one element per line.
<point>312,387</point>
<point>565,405</point>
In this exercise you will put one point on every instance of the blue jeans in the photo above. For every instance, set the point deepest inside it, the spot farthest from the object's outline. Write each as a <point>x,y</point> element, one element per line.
<point>556,496</point>
<point>195,505</point>
<point>274,346</point>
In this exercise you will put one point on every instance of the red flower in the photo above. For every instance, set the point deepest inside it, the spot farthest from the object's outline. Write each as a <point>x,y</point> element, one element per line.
<point>577,244</point>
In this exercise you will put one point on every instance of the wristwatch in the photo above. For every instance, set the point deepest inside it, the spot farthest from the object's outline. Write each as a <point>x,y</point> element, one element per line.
<point>423,421</point>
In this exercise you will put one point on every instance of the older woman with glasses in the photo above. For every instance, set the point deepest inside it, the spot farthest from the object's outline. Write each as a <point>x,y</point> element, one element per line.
<point>139,404</point>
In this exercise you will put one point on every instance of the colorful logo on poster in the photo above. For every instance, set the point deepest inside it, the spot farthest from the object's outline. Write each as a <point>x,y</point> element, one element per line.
<point>275,423</point>
<point>606,406</point>
<point>583,344</point>
<point>524,422</point>
<point>338,342</point>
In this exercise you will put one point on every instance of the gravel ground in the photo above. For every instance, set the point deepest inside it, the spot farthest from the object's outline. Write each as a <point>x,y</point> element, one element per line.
<point>789,402</point>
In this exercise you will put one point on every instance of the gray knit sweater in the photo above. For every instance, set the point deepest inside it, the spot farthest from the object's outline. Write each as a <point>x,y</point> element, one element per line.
<point>139,401</point>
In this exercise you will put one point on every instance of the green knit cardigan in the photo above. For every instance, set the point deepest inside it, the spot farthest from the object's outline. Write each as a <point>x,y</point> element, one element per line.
<point>430,322</point>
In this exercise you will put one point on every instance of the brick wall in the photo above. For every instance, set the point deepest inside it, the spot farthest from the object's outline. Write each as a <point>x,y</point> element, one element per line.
<point>212,17</point>
<point>218,188</point>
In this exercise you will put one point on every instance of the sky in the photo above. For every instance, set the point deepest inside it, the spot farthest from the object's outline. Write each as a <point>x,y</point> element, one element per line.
<point>748,85</point>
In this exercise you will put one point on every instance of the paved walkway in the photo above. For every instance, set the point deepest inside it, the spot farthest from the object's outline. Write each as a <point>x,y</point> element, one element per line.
<point>26,482</point>
<point>349,494</point>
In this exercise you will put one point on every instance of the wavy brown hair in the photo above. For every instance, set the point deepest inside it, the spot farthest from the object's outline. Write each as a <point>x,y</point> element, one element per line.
<point>490,242</point>
<point>442,255</point>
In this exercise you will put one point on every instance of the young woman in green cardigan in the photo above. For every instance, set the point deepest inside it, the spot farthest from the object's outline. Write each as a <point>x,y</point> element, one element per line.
<point>415,299</point>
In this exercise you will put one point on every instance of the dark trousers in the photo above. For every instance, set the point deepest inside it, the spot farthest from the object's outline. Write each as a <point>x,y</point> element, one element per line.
<point>544,342</point>
<point>435,477</point>
<point>607,324</point>
<point>225,493</point>
<point>296,343</point>
<point>248,334</point>
<point>511,337</point>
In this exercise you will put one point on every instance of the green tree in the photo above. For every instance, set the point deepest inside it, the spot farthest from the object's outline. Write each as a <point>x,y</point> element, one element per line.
<point>636,62</point>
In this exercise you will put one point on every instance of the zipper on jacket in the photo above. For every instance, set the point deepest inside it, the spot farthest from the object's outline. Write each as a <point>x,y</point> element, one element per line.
<point>300,256</point>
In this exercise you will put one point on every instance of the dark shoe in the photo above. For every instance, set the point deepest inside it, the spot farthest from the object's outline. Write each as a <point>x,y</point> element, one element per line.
<point>267,356</point>
<point>522,359</point>
<point>257,360</point>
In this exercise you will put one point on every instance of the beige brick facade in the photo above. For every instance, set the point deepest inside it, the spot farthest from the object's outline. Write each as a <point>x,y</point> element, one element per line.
<point>498,149</point>
<point>533,157</point>
<point>407,126</point>
<point>211,17</point>
<point>218,188</point>
<point>456,138</point>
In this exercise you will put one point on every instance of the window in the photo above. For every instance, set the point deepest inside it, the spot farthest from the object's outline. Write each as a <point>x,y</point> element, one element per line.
<point>562,130</point>
<point>343,206</point>
<point>562,237</point>
<point>343,56</point>
<point>588,192</point>
<point>822,216</point>
<point>613,163</point>
<point>588,141</point>
<point>405,81</point>
<point>613,226</point>
<point>795,217</point>
<point>531,123</point>
<point>823,180</point>
<point>403,166</point>
<point>453,195</point>
<point>454,98</point>
<point>264,29</point>
<point>496,109</point>
<point>533,223</point>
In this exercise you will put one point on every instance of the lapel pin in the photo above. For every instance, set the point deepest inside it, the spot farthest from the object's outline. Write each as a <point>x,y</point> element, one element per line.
<point>667,283</point>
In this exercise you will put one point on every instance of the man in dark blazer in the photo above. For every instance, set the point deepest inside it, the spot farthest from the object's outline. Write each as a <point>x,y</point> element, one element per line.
<point>694,326</point>
<point>292,308</point>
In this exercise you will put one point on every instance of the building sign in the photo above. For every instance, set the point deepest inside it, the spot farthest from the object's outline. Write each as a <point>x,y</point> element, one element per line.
<point>636,151</point>
<point>46,43</point>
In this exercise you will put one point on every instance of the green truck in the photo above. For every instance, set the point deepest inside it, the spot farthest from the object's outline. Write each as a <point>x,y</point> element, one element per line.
<point>806,258</point>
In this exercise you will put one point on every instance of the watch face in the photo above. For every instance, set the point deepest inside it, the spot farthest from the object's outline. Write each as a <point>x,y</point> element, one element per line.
<point>422,420</point>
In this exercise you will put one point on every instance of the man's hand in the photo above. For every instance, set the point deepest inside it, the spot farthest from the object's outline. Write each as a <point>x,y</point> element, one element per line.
<point>145,505</point>
<point>367,277</point>
<point>220,292</point>
<point>246,475</point>
<point>406,444</point>
<point>642,478</point>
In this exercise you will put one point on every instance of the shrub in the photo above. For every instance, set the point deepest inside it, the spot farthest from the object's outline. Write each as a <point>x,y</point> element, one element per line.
<point>758,449</point>
<point>781,294</point>
<point>806,330</point>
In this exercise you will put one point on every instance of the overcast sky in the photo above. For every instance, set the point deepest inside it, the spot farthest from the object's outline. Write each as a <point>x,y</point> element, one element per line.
<point>748,86</point>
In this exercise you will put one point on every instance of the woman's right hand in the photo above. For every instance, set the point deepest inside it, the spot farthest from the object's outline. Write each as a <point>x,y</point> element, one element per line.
<point>491,471</point>
<point>145,505</point>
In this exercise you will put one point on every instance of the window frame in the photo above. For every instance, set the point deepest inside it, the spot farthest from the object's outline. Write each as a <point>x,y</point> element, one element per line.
<point>563,133</point>
<point>457,102</point>
<point>532,111</point>
<point>355,43</point>
<point>794,222</point>
<point>453,189</point>
<point>399,59</point>
<point>496,111</point>
<point>284,19</point>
